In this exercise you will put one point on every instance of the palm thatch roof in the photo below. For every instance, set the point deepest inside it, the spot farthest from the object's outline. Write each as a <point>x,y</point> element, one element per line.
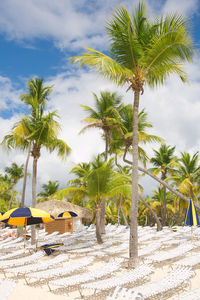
<point>55,207</point>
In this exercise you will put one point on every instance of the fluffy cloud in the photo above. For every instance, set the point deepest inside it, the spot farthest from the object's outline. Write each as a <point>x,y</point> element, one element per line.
<point>71,24</point>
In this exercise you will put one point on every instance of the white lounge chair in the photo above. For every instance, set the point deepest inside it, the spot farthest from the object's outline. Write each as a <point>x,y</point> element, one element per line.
<point>171,254</point>
<point>55,272</point>
<point>174,279</point>
<point>39,266</point>
<point>128,277</point>
<point>120,293</point>
<point>108,268</point>
<point>189,261</point>
<point>190,295</point>
<point>20,261</point>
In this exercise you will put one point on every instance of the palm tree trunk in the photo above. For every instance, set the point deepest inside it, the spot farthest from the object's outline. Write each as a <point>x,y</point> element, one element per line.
<point>98,219</point>
<point>133,242</point>
<point>124,217</point>
<point>34,194</point>
<point>160,181</point>
<point>11,197</point>
<point>25,176</point>
<point>103,208</point>
<point>159,227</point>
<point>164,206</point>
<point>118,209</point>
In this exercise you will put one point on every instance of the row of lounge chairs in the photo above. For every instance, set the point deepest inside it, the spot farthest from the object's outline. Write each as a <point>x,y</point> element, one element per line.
<point>46,271</point>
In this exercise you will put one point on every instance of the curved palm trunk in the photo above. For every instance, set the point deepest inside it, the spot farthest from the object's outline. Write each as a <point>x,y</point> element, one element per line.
<point>103,208</point>
<point>133,242</point>
<point>25,176</point>
<point>159,228</point>
<point>164,206</point>
<point>124,217</point>
<point>34,194</point>
<point>160,181</point>
<point>118,209</point>
<point>98,219</point>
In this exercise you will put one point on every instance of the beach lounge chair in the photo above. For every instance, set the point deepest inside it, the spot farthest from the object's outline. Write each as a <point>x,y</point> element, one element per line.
<point>189,261</point>
<point>108,268</point>
<point>55,272</point>
<point>171,254</point>
<point>132,276</point>
<point>39,266</point>
<point>178,278</point>
<point>12,254</point>
<point>6,288</point>
<point>21,261</point>
<point>190,295</point>
<point>120,293</point>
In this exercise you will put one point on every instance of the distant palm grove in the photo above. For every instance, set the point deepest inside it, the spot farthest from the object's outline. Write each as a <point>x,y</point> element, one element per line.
<point>142,52</point>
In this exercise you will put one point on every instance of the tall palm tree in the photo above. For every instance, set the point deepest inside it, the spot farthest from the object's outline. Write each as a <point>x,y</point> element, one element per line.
<point>16,173</point>
<point>41,131</point>
<point>164,162</point>
<point>48,189</point>
<point>36,98</point>
<point>142,52</point>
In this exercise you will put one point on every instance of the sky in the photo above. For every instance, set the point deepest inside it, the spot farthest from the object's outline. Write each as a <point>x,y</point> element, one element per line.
<point>37,37</point>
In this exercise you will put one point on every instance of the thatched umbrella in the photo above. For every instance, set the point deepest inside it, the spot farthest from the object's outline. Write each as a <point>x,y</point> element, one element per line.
<point>55,207</point>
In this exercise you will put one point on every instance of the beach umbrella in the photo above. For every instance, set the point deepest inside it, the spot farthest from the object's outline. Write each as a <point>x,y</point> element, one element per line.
<point>191,216</point>
<point>24,216</point>
<point>67,214</point>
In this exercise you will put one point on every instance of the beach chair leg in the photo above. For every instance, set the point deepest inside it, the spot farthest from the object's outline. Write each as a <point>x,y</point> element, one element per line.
<point>50,290</point>
<point>80,294</point>
<point>4,274</point>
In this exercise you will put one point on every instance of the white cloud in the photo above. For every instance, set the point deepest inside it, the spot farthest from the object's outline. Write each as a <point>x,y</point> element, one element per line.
<point>71,24</point>
<point>185,7</point>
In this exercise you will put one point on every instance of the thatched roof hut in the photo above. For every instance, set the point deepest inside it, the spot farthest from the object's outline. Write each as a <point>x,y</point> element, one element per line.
<point>55,207</point>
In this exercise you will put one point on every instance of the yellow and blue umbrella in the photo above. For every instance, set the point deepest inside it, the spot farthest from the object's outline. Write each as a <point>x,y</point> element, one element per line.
<point>67,214</point>
<point>191,216</point>
<point>23,216</point>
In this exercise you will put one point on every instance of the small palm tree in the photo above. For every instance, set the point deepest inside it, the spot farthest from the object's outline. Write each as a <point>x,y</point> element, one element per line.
<point>16,173</point>
<point>48,189</point>
<point>188,175</point>
<point>141,52</point>
<point>105,116</point>
<point>164,162</point>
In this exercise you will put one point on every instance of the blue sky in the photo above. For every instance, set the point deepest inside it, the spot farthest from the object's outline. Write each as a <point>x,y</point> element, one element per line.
<point>37,40</point>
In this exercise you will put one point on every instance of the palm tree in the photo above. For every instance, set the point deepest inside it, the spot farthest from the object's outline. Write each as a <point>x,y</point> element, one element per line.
<point>106,117</point>
<point>16,173</point>
<point>164,163</point>
<point>123,139</point>
<point>41,131</point>
<point>188,175</point>
<point>48,189</point>
<point>36,97</point>
<point>5,191</point>
<point>142,52</point>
